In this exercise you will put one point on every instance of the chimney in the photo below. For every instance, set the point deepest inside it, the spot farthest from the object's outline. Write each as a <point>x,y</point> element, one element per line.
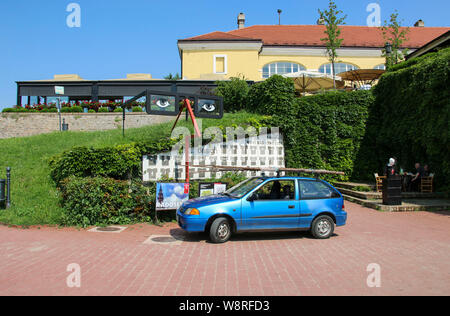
<point>241,21</point>
<point>419,23</point>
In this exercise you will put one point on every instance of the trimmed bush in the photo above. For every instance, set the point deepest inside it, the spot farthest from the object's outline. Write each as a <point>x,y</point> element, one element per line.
<point>104,201</point>
<point>137,109</point>
<point>118,110</point>
<point>234,93</point>
<point>271,96</point>
<point>118,162</point>
<point>102,110</point>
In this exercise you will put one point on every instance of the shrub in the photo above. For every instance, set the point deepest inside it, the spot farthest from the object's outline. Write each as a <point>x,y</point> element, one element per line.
<point>103,110</point>
<point>118,162</point>
<point>271,96</point>
<point>118,110</point>
<point>92,111</point>
<point>234,93</point>
<point>104,201</point>
<point>137,109</point>
<point>76,109</point>
<point>65,110</point>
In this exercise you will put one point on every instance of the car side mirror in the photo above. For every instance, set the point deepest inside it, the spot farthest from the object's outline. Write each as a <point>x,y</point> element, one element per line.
<point>252,197</point>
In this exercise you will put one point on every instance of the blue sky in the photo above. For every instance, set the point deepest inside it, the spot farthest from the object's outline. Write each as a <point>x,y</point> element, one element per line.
<point>140,36</point>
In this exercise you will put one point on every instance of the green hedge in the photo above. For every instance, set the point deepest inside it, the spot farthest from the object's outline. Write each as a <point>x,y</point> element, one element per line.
<point>324,131</point>
<point>271,96</point>
<point>410,118</point>
<point>234,93</point>
<point>118,162</point>
<point>104,201</point>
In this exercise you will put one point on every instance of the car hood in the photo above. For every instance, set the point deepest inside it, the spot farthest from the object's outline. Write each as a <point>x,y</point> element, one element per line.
<point>207,200</point>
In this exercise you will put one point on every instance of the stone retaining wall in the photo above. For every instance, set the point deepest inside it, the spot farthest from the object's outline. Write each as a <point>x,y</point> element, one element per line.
<point>27,124</point>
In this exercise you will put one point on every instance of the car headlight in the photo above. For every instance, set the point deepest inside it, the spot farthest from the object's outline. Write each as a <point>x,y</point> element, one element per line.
<point>191,211</point>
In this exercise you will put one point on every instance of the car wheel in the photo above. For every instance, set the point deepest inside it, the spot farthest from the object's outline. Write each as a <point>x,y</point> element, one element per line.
<point>220,230</point>
<point>322,227</point>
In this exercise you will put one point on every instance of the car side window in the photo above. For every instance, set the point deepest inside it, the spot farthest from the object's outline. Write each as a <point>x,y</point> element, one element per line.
<point>316,190</point>
<point>277,190</point>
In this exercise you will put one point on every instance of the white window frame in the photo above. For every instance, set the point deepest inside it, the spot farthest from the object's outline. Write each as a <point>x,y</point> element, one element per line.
<point>300,68</point>
<point>225,66</point>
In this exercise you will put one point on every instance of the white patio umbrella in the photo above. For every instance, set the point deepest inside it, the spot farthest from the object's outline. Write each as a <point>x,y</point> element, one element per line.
<point>310,81</point>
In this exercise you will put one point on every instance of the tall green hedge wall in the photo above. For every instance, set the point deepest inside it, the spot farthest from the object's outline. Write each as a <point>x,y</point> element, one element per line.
<point>410,118</point>
<point>324,131</point>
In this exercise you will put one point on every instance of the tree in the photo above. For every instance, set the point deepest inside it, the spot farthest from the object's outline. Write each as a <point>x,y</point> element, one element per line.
<point>332,20</point>
<point>395,35</point>
<point>172,77</point>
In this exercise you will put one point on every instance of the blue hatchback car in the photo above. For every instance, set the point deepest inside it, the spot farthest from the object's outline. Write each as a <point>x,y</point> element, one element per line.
<point>266,203</point>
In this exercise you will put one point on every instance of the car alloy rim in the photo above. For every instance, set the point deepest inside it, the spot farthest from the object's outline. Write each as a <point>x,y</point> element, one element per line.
<point>324,227</point>
<point>223,231</point>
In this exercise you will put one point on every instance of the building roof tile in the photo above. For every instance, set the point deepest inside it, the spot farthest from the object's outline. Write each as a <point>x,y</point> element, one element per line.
<point>310,35</point>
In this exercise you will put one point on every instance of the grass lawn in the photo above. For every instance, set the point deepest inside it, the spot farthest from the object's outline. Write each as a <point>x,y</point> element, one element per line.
<point>34,195</point>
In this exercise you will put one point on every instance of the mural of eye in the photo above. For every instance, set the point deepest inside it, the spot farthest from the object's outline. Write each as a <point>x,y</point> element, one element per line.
<point>209,107</point>
<point>162,103</point>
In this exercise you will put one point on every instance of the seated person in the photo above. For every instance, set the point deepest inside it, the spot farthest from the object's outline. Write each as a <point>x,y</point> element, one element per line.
<point>389,170</point>
<point>414,185</point>
<point>275,191</point>
<point>426,171</point>
<point>287,193</point>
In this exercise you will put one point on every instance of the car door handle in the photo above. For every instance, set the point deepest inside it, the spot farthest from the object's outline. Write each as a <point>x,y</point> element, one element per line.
<point>291,206</point>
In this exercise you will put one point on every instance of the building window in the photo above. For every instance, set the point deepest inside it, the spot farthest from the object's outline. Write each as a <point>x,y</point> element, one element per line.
<point>338,68</point>
<point>281,68</point>
<point>380,67</point>
<point>220,64</point>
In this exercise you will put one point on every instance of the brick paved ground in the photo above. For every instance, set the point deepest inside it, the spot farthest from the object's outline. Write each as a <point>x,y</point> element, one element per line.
<point>413,250</point>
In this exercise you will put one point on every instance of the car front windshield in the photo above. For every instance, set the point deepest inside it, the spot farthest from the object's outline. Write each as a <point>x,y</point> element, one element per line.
<point>244,187</point>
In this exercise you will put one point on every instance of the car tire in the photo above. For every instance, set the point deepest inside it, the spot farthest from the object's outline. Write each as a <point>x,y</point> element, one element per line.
<point>322,227</point>
<point>220,230</point>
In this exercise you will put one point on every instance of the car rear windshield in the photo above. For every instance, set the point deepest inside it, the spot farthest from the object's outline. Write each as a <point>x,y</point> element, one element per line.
<point>244,187</point>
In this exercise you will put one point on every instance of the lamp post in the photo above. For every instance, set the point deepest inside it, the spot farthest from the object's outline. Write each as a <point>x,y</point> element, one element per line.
<point>8,189</point>
<point>388,49</point>
<point>279,16</point>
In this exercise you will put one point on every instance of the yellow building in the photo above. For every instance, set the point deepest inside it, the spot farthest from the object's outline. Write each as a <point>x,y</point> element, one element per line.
<point>257,52</point>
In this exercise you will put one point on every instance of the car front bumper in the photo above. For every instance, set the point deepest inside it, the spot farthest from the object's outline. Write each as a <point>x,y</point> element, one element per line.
<point>190,223</point>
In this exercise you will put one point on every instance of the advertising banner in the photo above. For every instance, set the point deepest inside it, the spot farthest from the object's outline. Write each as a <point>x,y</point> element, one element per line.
<point>170,196</point>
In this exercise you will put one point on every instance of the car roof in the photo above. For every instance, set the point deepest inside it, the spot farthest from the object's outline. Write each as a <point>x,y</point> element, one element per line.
<point>289,178</point>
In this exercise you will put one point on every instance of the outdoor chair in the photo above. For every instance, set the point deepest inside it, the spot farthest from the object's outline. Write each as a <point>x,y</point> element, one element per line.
<point>379,182</point>
<point>426,184</point>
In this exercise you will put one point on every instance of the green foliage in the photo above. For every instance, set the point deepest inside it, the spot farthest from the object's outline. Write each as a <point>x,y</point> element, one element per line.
<point>324,131</point>
<point>103,201</point>
<point>118,162</point>
<point>410,118</point>
<point>234,93</point>
<point>76,109</point>
<point>118,110</point>
<point>332,20</point>
<point>100,110</point>
<point>362,188</point>
<point>271,96</point>
<point>396,36</point>
<point>137,109</point>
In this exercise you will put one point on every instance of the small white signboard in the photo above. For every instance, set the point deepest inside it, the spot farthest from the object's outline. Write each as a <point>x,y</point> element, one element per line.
<point>59,90</point>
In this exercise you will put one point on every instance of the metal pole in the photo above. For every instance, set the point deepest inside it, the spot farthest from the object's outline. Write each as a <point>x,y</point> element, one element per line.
<point>8,190</point>
<point>123,122</point>
<point>187,143</point>
<point>59,111</point>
